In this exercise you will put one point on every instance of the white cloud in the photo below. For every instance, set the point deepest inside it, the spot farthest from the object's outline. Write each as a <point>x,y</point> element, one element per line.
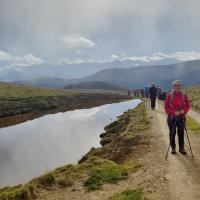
<point>77,42</point>
<point>4,56</point>
<point>185,56</point>
<point>26,60</point>
<point>20,61</point>
<point>179,56</point>
<point>114,57</point>
<point>69,62</point>
<point>140,59</point>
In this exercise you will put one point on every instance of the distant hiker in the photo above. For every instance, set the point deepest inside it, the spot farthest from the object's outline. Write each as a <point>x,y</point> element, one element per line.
<point>176,106</point>
<point>129,92</point>
<point>153,93</point>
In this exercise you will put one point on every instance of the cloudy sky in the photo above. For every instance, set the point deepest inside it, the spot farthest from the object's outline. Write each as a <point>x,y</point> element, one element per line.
<point>33,32</point>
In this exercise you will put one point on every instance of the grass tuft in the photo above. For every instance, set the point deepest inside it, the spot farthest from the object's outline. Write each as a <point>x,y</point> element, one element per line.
<point>127,194</point>
<point>105,172</point>
<point>193,125</point>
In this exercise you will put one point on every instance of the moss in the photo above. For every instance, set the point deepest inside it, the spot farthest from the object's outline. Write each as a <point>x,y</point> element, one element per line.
<point>19,192</point>
<point>193,125</point>
<point>132,166</point>
<point>27,191</point>
<point>105,172</point>
<point>127,194</point>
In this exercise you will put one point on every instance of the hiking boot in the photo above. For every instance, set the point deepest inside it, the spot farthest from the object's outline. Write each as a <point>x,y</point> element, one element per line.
<point>182,151</point>
<point>173,151</point>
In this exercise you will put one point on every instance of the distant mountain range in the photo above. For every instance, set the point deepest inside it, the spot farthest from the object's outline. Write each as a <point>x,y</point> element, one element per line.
<point>92,85</point>
<point>68,71</point>
<point>135,77</point>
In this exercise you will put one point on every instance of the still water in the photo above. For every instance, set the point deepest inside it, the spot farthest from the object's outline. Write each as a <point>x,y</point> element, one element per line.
<point>34,147</point>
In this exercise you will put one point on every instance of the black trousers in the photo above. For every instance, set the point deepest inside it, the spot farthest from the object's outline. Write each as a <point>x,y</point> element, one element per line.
<point>153,102</point>
<point>176,124</point>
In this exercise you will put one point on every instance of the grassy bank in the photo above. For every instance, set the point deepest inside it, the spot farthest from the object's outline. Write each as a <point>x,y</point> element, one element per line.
<point>194,96</point>
<point>15,99</point>
<point>193,125</point>
<point>107,164</point>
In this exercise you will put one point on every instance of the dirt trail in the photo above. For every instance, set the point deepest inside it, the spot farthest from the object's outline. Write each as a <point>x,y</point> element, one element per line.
<point>183,173</point>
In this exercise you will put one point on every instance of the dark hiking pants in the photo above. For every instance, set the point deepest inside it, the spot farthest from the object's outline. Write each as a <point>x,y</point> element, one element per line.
<point>153,102</point>
<point>176,124</point>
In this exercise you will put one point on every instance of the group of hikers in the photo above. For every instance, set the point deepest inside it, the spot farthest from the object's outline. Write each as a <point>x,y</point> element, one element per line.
<point>145,92</point>
<point>176,106</point>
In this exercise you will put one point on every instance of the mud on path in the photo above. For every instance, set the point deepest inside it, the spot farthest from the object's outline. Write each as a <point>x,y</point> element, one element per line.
<point>183,173</point>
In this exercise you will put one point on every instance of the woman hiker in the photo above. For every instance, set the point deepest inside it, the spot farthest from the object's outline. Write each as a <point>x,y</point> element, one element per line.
<point>176,106</point>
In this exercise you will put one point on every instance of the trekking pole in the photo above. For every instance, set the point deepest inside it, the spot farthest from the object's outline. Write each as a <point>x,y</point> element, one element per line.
<point>188,138</point>
<point>171,138</point>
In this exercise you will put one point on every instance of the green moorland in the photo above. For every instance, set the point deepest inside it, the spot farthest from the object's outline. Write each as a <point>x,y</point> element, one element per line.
<point>17,99</point>
<point>194,96</point>
<point>14,91</point>
<point>107,164</point>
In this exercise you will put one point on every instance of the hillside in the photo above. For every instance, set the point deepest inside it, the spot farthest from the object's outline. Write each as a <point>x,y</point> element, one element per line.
<point>129,78</point>
<point>45,82</point>
<point>16,99</point>
<point>188,72</point>
<point>92,85</point>
<point>70,71</point>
